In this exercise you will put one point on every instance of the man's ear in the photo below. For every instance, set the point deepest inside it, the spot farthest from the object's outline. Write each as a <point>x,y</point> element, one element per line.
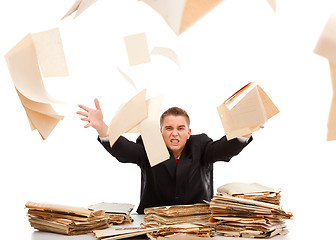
<point>189,133</point>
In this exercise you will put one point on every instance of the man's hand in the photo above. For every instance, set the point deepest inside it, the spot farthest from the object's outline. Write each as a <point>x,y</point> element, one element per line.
<point>249,135</point>
<point>94,117</point>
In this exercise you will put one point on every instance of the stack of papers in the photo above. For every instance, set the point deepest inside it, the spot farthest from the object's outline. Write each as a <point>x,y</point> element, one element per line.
<point>119,213</point>
<point>65,219</point>
<point>183,231</point>
<point>253,191</point>
<point>199,212</point>
<point>239,217</point>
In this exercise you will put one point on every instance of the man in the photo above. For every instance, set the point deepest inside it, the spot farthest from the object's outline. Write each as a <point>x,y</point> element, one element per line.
<point>187,176</point>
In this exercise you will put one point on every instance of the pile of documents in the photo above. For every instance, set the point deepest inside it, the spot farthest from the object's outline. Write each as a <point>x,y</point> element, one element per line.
<point>199,212</point>
<point>253,191</point>
<point>183,231</point>
<point>248,210</point>
<point>119,213</point>
<point>65,219</point>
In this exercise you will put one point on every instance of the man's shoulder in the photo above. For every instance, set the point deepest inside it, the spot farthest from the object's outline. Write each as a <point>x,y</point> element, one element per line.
<point>199,138</point>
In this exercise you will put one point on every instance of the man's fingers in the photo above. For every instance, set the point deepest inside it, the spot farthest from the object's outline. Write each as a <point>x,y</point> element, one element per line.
<point>85,119</point>
<point>82,113</point>
<point>84,107</point>
<point>96,102</point>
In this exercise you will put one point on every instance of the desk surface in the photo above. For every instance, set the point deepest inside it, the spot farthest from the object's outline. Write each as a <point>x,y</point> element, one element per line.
<point>138,219</point>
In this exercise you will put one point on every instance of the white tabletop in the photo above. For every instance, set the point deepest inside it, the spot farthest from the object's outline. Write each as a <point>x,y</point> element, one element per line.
<point>138,219</point>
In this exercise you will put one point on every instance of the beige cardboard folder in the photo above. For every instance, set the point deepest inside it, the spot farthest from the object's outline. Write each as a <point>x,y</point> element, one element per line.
<point>181,14</point>
<point>80,6</point>
<point>139,115</point>
<point>326,47</point>
<point>36,53</point>
<point>245,111</point>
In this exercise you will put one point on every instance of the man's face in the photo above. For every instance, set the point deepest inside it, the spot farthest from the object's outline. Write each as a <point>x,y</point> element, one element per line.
<point>175,132</point>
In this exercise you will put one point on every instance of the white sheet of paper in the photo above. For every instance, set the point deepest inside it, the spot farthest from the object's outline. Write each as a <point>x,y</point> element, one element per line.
<point>24,68</point>
<point>332,113</point>
<point>181,14</point>
<point>137,49</point>
<point>272,4</point>
<point>149,129</point>
<point>23,63</point>
<point>167,52</point>
<point>80,6</point>
<point>326,45</point>
<point>128,116</point>
<point>50,53</point>
<point>128,78</point>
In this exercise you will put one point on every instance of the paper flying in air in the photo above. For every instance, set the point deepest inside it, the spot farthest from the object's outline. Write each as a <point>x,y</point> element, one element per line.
<point>80,6</point>
<point>141,116</point>
<point>137,49</point>
<point>24,61</point>
<point>245,111</point>
<point>181,14</point>
<point>128,78</point>
<point>326,47</point>
<point>272,4</point>
<point>166,52</point>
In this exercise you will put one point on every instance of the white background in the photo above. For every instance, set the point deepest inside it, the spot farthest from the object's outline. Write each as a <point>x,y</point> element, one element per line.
<point>238,42</point>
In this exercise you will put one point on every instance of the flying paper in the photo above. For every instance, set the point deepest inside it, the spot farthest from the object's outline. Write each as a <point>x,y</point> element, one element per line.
<point>139,115</point>
<point>80,6</point>
<point>181,14</point>
<point>326,47</point>
<point>26,61</point>
<point>245,111</point>
<point>137,49</point>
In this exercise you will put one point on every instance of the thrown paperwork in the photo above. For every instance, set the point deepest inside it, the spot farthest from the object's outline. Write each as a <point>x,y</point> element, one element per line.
<point>40,50</point>
<point>181,14</point>
<point>326,47</point>
<point>137,49</point>
<point>139,115</point>
<point>245,111</point>
<point>80,6</point>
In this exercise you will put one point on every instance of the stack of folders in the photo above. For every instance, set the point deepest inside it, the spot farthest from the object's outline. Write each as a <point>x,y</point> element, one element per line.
<point>119,213</point>
<point>199,212</point>
<point>66,220</point>
<point>183,231</point>
<point>248,210</point>
<point>253,191</point>
<point>179,222</point>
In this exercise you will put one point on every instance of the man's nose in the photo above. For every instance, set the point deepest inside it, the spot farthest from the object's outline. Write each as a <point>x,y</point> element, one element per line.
<point>174,132</point>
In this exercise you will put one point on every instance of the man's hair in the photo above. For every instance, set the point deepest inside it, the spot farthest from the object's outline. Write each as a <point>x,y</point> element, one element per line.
<point>174,111</point>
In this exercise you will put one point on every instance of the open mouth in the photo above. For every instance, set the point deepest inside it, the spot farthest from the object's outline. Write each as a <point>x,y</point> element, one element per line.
<point>174,141</point>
